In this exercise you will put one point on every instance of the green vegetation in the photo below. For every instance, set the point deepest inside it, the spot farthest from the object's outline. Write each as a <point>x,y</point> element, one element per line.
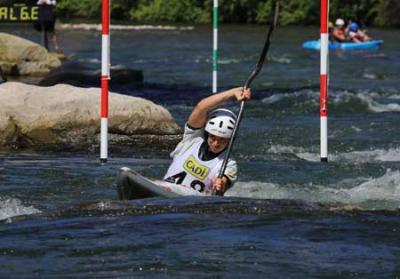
<point>304,12</point>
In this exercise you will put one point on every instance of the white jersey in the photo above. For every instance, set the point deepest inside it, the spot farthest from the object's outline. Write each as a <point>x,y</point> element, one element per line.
<point>188,169</point>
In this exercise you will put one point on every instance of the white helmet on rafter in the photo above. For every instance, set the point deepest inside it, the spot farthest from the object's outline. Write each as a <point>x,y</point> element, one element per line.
<point>339,22</point>
<point>221,122</point>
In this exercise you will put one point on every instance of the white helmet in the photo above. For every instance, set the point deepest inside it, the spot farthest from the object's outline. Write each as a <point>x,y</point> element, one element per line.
<point>220,123</point>
<point>339,22</point>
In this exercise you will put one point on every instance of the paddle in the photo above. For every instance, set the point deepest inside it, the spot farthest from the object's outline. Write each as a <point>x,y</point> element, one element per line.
<point>250,79</point>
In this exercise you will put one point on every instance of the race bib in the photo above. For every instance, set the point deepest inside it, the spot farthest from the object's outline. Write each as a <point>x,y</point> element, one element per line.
<point>195,168</point>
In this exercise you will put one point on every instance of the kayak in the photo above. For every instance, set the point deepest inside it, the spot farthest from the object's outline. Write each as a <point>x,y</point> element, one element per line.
<point>132,185</point>
<point>370,45</point>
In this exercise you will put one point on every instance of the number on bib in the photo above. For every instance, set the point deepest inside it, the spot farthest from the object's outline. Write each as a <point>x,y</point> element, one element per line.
<point>197,185</point>
<point>177,178</point>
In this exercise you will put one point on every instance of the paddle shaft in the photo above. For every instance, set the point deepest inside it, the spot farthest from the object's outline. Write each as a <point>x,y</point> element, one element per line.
<point>250,79</point>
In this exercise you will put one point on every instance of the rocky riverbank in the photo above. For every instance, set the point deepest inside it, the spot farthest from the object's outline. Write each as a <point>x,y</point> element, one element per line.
<point>64,117</point>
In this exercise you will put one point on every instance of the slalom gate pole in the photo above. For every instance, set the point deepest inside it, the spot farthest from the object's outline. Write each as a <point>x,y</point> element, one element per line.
<point>105,76</point>
<point>249,80</point>
<point>215,47</point>
<point>324,55</point>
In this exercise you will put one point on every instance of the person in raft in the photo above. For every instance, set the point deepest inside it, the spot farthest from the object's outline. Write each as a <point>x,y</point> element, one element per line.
<point>197,159</point>
<point>339,31</point>
<point>356,35</point>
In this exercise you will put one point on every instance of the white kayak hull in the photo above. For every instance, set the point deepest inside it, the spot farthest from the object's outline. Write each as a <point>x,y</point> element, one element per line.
<point>132,185</point>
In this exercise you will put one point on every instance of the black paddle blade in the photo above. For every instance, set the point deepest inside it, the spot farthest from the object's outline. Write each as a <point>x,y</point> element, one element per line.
<point>250,79</point>
<point>267,43</point>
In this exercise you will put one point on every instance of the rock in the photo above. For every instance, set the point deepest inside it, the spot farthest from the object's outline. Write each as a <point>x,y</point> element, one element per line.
<point>22,57</point>
<point>2,76</point>
<point>77,74</point>
<point>67,117</point>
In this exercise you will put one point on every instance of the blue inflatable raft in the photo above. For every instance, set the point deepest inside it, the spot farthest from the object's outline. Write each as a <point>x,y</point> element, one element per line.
<point>371,45</point>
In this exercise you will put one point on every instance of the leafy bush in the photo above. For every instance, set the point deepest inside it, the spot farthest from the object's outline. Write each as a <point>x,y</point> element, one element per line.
<point>79,8</point>
<point>168,11</point>
<point>380,12</point>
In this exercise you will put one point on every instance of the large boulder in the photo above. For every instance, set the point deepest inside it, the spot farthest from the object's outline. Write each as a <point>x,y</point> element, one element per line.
<point>78,74</point>
<point>67,117</point>
<point>22,57</point>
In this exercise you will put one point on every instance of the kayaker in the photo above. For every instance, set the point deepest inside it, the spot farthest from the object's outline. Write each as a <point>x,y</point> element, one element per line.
<point>356,35</point>
<point>339,32</point>
<point>197,159</point>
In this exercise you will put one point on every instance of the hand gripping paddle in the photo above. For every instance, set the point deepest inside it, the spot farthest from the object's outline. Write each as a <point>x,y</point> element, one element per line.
<point>250,79</point>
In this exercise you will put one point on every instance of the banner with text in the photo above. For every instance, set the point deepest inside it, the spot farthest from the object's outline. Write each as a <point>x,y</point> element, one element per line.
<point>24,11</point>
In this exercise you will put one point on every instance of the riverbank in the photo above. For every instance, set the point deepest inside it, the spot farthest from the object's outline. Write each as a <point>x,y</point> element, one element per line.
<point>97,27</point>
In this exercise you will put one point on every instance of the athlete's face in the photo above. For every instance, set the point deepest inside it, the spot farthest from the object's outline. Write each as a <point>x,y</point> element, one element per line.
<point>216,144</point>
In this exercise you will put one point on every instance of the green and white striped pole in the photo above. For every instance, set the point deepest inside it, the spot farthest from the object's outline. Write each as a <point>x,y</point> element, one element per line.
<point>215,47</point>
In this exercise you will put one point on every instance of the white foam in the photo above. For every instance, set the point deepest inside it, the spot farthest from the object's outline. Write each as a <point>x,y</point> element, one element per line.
<point>309,192</point>
<point>274,99</point>
<point>356,129</point>
<point>370,76</point>
<point>350,191</point>
<point>299,152</point>
<point>394,97</point>
<point>377,107</point>
<point>310,96</point>
<point>283,59</point>
<point>223,61</point>
<point>390,155</point>
<point>260,190</point>
<point>90,60</point>
<point>13,207</point>
<point>368,98</point>
<point>385,188</point>
<point>381,155</point>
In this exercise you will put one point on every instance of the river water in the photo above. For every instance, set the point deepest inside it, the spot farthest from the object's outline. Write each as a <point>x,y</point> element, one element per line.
<point>289,216</point>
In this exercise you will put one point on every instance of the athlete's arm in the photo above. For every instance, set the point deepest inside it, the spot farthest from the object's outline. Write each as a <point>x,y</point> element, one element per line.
<point>221,184</point>
<point>198,117</point>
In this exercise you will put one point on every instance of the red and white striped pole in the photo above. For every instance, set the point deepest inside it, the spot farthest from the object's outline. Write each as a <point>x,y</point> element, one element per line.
<point>105,76</point>
<point>324,79</point>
